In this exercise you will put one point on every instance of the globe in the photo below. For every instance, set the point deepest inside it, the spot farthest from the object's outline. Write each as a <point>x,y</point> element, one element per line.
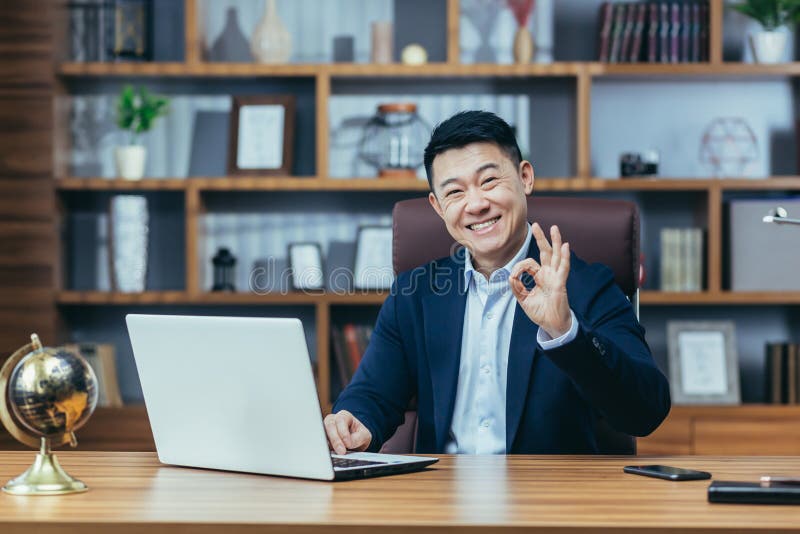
<point>45,395</point>
<point>52,392</point>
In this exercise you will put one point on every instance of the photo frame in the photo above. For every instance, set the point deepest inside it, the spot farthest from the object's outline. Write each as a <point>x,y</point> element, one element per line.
<point>373,268</point>
<point>261,135</point>
<point>703,362</point>
<point>305,266</point>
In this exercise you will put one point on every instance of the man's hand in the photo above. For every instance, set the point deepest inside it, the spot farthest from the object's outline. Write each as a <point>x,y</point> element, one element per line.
<point>546,304</point>
<point>345,432</point>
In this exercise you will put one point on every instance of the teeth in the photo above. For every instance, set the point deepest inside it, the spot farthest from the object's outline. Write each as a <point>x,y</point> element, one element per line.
<point>483,225</point>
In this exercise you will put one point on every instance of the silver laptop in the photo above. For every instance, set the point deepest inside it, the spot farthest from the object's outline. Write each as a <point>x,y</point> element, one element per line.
<point>238,393</point>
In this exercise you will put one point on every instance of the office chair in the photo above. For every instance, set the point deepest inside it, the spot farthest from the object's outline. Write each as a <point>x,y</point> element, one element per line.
<point>598,230</point>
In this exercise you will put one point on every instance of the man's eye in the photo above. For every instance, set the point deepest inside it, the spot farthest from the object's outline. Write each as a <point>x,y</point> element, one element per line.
<point>489,179</point>
<point>452,192</point>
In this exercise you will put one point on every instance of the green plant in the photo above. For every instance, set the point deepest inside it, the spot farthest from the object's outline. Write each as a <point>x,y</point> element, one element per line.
<point>771,14</point>
<point>137,109</point>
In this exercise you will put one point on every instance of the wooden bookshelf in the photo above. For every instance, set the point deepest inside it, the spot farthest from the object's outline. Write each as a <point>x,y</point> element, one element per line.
<point>709,193</point>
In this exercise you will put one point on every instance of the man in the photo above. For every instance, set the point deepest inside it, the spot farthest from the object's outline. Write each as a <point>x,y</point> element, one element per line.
<point>498,366</point>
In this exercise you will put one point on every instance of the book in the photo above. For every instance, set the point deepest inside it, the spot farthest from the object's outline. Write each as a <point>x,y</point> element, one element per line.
<point>638,32</point>
<point>652,33</point>
<point>101,357</point>
<point>606,21</point>
<point>354,351</point>
<point>340,354</point>
<point>686,33</point>
<point>773,373</point>
<point>616,33</point>
<point>674,32</point>
<point>704,22</point>
<point>627,32</point>
<point>695,38</point>
<point>663,33</point>
<point>790,376</point>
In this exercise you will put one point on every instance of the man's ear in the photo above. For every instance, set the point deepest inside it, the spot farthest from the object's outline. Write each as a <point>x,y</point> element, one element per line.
<point>526,175</point>
<point>435,205</point>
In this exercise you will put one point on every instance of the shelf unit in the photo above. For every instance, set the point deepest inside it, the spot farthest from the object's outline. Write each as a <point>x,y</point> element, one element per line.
<point>196,189</point>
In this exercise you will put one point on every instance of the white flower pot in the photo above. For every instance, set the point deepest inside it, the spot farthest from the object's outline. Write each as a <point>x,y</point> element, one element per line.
<point>768,47</point>
<point>130,161</point>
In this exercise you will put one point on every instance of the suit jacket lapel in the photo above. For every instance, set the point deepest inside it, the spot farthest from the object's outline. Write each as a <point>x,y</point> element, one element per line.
<point>522,352</point>
<point>443,316</point>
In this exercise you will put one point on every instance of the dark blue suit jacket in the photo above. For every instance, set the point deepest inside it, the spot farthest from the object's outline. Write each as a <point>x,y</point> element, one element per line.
<point>552,397</point>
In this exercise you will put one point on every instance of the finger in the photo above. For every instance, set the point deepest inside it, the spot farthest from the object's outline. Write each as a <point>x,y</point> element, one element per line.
<point>541,241</point>
<point>333,436</point>
<point>518,289</point>
<point>555,236</point>
<point>528,265</point>
<point>343,426</point>
<point>563,268</point>
<point>361,438</point>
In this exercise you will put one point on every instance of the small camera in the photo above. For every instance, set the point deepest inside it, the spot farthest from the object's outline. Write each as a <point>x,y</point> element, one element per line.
<point>636,164</point>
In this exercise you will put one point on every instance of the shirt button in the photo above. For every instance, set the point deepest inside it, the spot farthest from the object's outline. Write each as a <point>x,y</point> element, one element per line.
<point>485,423</point>
<point>489,316</point>
<point>486,369</point>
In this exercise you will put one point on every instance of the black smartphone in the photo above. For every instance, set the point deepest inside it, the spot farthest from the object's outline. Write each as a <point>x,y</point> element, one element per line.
<point>666,472</point>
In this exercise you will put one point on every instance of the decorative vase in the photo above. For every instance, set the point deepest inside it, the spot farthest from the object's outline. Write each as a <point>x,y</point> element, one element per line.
<point>271,42</point>
<point>768,47</point>
<point>382,42</point>
<point>523,40</point>
<point>523,45</point>
<point>231,45</point>
<point>482,14</point>
<point>128,230</point>
<point>130,161</point>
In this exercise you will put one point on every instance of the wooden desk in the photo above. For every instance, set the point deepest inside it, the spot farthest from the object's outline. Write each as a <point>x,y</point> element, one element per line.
<point>132,492</point>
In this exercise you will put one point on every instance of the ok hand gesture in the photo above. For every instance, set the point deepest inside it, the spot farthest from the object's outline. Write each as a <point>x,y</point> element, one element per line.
<point>546,304</point>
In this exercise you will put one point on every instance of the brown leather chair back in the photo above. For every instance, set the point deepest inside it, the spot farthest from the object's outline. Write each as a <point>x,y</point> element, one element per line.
<point>598,230</point>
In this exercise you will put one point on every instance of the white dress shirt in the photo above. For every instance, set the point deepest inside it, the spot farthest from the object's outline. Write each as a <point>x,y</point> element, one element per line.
<point>479,415</point>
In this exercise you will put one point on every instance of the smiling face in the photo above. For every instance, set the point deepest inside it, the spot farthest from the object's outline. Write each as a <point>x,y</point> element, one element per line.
<point>481,196</point>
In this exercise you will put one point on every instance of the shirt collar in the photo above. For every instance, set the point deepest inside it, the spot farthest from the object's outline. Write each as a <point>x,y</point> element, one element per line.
<point>521,254</point>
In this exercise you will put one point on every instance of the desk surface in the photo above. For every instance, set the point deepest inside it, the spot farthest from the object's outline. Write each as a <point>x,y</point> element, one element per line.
<point>133,492</point>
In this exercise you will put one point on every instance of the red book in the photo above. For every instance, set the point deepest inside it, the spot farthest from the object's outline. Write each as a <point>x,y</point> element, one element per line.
<point>606,20</point>
<point>353,348</point>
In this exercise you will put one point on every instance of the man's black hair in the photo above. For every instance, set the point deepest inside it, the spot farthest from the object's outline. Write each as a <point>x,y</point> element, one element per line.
<point>466,127</point>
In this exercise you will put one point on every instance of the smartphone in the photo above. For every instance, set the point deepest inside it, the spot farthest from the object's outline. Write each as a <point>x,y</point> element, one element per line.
<point>666,472</point>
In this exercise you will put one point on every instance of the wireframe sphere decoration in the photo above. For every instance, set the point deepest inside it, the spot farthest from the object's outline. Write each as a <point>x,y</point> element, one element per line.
<point>729,147</point>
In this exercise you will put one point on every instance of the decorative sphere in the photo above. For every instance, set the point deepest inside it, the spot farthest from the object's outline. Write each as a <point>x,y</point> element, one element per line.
<point>414,54</point>
<point>52,391</point>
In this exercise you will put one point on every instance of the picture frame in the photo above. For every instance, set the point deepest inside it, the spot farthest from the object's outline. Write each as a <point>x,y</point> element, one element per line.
<point>306,266</point>
<point>261,135</point>
<point>703,362</point>
<point>372,267</point>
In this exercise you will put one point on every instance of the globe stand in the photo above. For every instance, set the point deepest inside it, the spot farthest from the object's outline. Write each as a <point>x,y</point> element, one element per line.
<point>44,477</point>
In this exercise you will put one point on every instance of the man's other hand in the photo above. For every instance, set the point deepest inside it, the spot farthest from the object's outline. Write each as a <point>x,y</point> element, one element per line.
<point>345,432</point>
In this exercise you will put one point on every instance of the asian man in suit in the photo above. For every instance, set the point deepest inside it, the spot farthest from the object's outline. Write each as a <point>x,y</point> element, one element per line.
<point>510,345</point>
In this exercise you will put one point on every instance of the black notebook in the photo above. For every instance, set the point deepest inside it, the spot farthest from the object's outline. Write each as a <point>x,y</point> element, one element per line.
<point>753,493</point>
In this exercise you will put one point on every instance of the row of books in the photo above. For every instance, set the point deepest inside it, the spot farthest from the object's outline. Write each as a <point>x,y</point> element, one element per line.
<point>654,32</point>
<point>782,375</point>
<point>681,259</point>
<point>349,344</point>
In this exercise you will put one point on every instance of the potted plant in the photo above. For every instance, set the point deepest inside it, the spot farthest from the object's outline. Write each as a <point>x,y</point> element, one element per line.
<point>136,111</point>
<point>768,45</point>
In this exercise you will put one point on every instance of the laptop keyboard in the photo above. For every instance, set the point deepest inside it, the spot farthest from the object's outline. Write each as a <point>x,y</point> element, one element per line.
<point>347,462</point>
